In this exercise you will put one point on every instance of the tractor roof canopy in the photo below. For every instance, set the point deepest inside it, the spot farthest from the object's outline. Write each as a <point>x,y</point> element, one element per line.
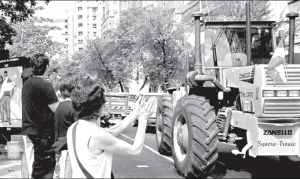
<point>239,24</point>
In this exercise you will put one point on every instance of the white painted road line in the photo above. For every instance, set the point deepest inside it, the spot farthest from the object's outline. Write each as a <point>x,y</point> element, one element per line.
<point>151,149</point>
<point>142,166</point>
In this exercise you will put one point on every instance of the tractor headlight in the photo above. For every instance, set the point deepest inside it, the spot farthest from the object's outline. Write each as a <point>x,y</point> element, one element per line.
<point>281,93</point>
<point>294,93</point>
<point>268,93</point>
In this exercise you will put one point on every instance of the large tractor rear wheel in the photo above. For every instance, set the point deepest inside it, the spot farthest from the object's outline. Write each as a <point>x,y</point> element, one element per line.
<point>164,114</point>
<point>194,136</point>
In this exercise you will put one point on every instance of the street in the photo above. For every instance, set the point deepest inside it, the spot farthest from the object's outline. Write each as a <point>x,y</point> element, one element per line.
<point>150,164</point>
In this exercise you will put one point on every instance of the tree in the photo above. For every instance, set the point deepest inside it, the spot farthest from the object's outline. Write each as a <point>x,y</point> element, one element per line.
<point>14,11</point>
<point>147,39</point>
<point>229,10</point>
<point>235,10</point>
<point>160,43</point>
<point>107,60</point>
<point>33,38</point>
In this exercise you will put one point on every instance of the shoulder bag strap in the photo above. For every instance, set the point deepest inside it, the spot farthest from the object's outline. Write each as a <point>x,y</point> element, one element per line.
<point>84,171</point>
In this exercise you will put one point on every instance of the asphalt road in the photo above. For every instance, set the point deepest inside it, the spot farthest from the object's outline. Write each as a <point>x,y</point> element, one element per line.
<point>150,164</point>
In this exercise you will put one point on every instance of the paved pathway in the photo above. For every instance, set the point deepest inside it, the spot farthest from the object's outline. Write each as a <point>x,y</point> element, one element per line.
<point>9,168</point>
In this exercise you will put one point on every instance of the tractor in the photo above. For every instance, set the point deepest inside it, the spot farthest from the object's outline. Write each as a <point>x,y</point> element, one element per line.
<point>230,104</point>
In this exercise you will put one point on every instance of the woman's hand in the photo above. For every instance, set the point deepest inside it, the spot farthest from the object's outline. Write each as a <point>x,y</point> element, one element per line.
<point>146,109</point>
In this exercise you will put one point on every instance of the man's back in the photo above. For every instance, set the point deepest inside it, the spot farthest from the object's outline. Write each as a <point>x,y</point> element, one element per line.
<point>37,117</point>
<point>64,117</point>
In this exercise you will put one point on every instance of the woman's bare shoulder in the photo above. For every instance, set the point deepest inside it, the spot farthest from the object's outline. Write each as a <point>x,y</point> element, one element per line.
<point>102,136</point>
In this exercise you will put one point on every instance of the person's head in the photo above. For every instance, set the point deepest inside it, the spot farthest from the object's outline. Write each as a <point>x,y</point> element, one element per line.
<point>66,90</point>
<point>5,74</point>
<point>39,63</point>
<point>88,101</point>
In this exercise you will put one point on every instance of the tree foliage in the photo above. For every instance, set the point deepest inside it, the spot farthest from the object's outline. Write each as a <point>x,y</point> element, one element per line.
<point>235,10</point>
<point>229,10</point>
<point>146,40</point>
<point>11,12</point>
<point>33,38</point>
<point>161,42</point>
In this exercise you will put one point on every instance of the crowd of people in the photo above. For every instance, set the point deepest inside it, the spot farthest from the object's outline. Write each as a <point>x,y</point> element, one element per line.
<point>68,140</point>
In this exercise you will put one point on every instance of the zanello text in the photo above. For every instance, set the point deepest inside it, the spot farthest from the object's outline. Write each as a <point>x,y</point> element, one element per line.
<point>278,132</point>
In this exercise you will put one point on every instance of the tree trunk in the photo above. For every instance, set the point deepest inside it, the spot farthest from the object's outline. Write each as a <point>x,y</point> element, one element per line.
<point>121,86</point>
<point>144,83</point>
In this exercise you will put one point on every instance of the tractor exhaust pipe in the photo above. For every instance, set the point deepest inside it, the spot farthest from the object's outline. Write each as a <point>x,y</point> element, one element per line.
<point>198,61</point>
<point>292,16</point>
<point>198,76</point>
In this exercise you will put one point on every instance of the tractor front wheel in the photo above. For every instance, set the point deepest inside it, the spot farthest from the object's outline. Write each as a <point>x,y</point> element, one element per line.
<point>194,136</point>
<point>164,115</point>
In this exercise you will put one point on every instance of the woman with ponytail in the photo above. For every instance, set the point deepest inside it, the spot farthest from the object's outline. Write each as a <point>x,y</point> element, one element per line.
<point>90,146</point>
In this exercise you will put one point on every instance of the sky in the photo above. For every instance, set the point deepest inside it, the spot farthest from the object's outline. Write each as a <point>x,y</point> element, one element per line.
<point>54,9</point>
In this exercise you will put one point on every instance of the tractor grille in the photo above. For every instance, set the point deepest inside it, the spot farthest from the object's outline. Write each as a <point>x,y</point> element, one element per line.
<point>293,77</point>
<point>282,106</point>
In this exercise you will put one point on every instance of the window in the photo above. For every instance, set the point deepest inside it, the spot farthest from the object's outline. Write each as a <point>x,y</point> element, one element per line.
<point>80,16</point>
<point>80,41</point>
<point>95,33</point>
<point>95,9</point>
<point>79,8</point>
<point>66,33</point>
<point>80,24</point>
<point>80,33</point>
<point>80,48</point>
<point>66,20</point>
<point>94,17</point>
<point>94,25</point>
<point>66,40</point>
<point>66,26</point>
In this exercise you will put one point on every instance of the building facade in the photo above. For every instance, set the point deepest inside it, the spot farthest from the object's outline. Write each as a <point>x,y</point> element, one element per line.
<point>83,23</point>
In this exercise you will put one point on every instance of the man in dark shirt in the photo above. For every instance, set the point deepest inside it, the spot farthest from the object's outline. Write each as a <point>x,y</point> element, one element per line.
<point>39,103</point>
<point>64,117</point>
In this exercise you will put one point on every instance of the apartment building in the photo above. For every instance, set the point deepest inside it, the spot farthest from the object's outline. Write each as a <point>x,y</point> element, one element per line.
<point>83,23</point>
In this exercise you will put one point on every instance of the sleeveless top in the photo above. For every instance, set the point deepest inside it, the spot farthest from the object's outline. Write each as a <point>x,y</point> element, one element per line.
<point>99,166</point>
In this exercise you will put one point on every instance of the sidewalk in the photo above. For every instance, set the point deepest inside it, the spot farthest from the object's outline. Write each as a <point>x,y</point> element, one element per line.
<point>9,168</point>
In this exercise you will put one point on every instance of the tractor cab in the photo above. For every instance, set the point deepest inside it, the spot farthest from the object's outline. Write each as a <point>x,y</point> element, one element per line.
<point>224,44</point>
